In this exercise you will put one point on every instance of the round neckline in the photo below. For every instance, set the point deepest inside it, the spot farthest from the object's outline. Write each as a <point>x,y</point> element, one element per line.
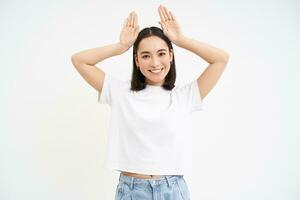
<point>154,86</point>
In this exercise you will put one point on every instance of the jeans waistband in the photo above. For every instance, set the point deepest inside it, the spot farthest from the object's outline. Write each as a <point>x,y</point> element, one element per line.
<point>163,178</point>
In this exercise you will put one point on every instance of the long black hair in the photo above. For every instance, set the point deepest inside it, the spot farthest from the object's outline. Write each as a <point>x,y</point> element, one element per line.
<point>138,79</point>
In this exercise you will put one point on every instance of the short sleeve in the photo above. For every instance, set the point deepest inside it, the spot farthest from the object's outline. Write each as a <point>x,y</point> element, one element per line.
<point>111,90</point>
<point>189,97</point>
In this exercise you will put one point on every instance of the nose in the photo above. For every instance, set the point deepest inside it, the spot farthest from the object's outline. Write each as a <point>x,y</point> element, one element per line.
<point>155,62</point>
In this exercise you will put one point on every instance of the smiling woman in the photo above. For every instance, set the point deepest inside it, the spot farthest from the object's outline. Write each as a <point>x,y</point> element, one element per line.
<point>154,62</point>
<point>146,140</point>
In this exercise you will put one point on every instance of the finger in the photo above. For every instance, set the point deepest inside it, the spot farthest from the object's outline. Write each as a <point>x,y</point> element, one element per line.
<point>135,20</point>
<point>127,22</point>
<point>172,16</point>
<point>168,14</point>
<point>162,17</point>
<point>165,13</point>
<point>132,19</point>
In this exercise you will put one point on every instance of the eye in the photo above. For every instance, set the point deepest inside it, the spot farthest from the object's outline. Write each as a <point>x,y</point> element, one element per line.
<point>144,56</point>
<point>162,54</point>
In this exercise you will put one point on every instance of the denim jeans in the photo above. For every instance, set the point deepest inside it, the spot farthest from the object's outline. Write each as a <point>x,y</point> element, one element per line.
<point>168,187</point>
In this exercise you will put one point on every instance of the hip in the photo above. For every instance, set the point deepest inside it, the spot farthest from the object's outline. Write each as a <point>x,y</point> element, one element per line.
<point>147,187</point>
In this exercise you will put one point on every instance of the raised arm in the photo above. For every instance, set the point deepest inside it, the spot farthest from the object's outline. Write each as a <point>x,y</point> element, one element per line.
<point>85,61</point>
<point>216,57</point>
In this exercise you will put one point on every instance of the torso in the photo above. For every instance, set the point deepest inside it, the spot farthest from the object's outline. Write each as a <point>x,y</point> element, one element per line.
<point>144,176</point>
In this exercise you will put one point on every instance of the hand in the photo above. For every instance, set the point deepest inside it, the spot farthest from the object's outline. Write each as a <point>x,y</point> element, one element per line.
<point>129,31</point>
<point>169,24</point>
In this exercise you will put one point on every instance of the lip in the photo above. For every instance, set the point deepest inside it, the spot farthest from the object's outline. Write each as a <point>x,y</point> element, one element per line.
<point>156,69</point>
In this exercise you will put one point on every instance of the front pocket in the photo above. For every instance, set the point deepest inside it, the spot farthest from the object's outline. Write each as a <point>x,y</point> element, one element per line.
<point>183,189</point>
<point>179,189</point>
<point>119,191</point>
<point>124,191</point>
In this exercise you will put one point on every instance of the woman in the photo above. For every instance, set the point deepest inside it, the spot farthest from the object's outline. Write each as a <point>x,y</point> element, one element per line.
<point>145,135</point>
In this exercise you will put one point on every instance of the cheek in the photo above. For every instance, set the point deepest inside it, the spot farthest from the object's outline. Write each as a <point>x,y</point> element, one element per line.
<point>143,63</point>
<point>167,63</point>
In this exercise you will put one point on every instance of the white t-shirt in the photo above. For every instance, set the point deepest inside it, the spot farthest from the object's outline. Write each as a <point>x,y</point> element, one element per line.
<point>146,132</point>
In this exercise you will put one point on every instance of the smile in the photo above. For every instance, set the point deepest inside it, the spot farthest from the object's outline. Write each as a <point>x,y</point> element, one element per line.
<point>156,71</point>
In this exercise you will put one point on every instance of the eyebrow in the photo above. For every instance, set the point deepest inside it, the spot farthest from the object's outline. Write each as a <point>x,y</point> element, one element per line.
<point>143,52</point>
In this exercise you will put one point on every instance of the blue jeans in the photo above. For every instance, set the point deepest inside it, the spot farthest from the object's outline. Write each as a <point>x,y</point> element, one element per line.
<point>168,187</point>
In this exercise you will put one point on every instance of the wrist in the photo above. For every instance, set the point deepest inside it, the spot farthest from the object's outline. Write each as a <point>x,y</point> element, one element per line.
<point>180,40</point>
<point>123,48</point>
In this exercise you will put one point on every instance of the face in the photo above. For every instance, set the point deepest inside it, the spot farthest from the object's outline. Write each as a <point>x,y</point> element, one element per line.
<point>154,60</point>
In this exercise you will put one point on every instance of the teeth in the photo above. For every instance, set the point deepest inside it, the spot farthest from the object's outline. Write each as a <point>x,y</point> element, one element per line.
<point>156,71</point>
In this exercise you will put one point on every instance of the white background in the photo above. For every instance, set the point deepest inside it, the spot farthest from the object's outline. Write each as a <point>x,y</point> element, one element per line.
<point>53,131</point>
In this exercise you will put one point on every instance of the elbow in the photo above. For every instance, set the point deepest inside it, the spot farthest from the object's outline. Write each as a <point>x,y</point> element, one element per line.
<point>225,57</point>
<point>74,59</point>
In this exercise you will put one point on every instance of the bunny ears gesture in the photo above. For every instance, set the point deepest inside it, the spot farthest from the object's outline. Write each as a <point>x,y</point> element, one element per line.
<point>129,31</point>
<point>168,24</point>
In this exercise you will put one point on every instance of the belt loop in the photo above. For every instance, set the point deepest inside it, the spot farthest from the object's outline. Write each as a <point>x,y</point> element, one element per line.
<point>168,181</point>
<point>131,184</point>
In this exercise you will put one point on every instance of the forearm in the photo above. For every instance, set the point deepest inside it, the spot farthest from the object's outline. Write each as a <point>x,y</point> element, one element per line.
<point>96,55</point>
<point>207,52</point>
